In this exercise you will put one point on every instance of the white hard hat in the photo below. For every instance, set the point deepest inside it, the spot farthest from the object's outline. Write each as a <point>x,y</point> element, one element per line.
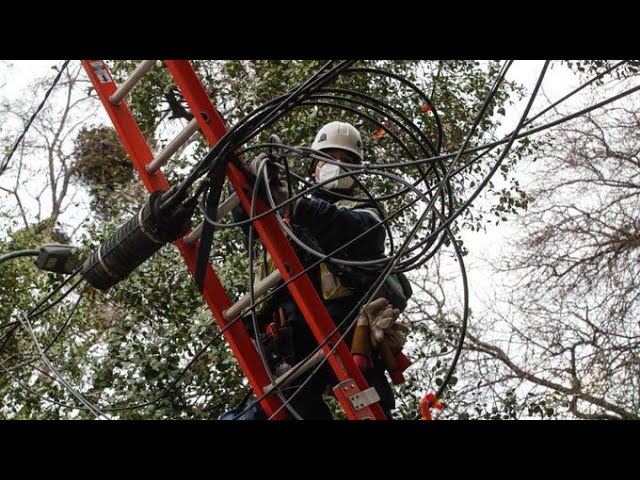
<point>341,135</point>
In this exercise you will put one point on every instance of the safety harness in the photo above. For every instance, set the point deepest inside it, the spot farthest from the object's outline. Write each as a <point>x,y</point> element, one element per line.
<point>334,281</point>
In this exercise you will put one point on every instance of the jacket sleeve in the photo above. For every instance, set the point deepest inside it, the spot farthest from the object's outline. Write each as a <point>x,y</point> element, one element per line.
<point>334,226</point>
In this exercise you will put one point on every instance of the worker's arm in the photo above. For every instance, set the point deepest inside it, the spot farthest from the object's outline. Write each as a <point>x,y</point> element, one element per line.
<point>335,226</point>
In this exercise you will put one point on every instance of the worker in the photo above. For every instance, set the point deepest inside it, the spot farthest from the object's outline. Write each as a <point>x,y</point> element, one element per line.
<point>326,221</point>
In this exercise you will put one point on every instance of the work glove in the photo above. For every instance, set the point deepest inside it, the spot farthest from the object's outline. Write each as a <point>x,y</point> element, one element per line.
<point>280,194</point>
<point>275,184</point>
<point>254,165</point>
<point>271,169</point>
<point>381,316</point>
<point>279,188</point>
<point>396,336</point>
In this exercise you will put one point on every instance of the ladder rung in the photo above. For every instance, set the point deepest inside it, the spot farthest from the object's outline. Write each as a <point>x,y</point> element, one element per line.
<point>224,208</point>
<point>130,82</point>
<point>259,288</point>
<point>290,375</point>
<point>180,139</point>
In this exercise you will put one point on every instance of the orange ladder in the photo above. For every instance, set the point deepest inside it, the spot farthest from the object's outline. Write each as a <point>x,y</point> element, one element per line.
<point>358,400</point>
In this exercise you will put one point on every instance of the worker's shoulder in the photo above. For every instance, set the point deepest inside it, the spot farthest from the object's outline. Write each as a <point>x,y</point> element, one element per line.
<point>371,206</point>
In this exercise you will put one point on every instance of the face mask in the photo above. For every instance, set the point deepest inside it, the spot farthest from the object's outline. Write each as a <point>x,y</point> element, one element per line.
<point>329,171</point>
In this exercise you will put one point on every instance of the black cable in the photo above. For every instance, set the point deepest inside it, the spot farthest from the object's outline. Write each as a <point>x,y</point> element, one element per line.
<point>65,323</point>
<point>258,120</point>
<point>463,148</point>
<point>7,325</point>
<point>261,173</point>
<point>171,385</point>
<point>33,312</point>
<point>388,268</point>
<point>115,409</point>
<point>7,158</point>
<point>37,394</point>
<point>480,115</point>
<point>396,115</point>
<point>24,320</point>
<point>18,253</point>
<point>176,380</point>
<point>482,184</point>
<point>81,398</point>
<point>574,91</point>
<point>506,139</point>
<point>460,345</point>
<point>329,256</point>
<point>412,86</point>
<point>414,231</point>
<point>67,320</point>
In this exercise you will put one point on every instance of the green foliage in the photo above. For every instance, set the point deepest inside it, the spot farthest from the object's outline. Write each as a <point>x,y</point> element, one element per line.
<point>100,159</point>
<point>149,98</point>
<point>149,327</point>
<point>21,285</point>
<point>103,166</point>
<point>18,275</point>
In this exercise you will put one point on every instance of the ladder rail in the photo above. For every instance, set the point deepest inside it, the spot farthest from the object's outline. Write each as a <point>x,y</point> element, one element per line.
<point>213,292</point>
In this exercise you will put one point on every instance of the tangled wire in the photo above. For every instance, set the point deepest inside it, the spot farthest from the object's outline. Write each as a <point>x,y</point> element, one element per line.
<point>430,184</point>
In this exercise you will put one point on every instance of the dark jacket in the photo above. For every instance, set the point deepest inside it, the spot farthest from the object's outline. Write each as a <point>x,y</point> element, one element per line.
<point>334,224</point>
